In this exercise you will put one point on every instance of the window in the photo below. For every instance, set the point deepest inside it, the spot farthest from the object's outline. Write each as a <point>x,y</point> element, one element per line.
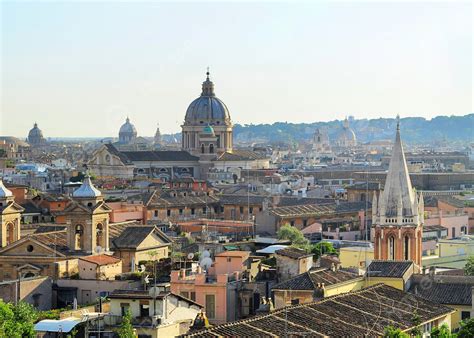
<point>391,248</point>
<point>79,241</point>
<point>10,233</point>
<point>251,210</point>
<point>156,213</point>
<point>211,148</point>
<point>305,222</point>
<point>30,248</point>
<point>185,294</point>
<point>292,223</point>
<point>211,306</point>
<point>99,239</point>
<point>202,148</point>
<point>168,212</point>
<point>144,308</point>
<point>124,308</point>
<point>180,211</point>
<point>204,210</point>
<point>453,232</point>
<point>193,295</point>
<point>241,210</point>
<point>193,211</point>
<point>406,245</point>
<point>465,315</point>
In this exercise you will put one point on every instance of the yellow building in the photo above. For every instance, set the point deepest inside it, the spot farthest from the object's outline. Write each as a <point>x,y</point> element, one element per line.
<point>356,256</point>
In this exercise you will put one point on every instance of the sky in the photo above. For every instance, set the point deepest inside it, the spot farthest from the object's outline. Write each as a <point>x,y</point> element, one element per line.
<point>79,69</point>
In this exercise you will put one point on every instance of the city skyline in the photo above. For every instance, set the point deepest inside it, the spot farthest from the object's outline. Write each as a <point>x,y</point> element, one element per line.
<point>348,60</point>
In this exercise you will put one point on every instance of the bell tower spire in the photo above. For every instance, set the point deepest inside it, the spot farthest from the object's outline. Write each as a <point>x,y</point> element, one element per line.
<point>398,223</point>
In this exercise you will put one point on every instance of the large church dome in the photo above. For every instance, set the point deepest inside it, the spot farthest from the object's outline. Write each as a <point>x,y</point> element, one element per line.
<point>207,109</point>
<point>127,132</point>
<point>35,136</point>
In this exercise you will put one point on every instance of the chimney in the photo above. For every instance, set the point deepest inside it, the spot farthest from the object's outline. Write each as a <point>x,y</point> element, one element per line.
<point>333,267</point>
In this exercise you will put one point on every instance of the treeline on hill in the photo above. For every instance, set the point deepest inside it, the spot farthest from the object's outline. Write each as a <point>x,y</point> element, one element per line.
<point>415,129</point>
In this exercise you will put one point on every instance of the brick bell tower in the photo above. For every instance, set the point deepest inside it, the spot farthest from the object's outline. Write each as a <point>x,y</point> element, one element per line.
<point>398,214</point>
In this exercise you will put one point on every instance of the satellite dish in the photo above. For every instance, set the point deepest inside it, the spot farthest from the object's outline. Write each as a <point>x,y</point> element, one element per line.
<point>190,255</point>
<point>205,263</point>
<point>154,292</point>
<point>206,254</point>
<point>98,249</point>
<point>142,268</point>
<point>147,279</point>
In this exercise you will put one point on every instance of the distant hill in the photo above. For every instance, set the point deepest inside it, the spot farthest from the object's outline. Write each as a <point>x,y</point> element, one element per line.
<point>415,130</point>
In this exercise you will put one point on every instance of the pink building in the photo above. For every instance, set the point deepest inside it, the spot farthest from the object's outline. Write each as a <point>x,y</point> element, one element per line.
<point>123,211</point>
<point>456,222</point>
<point>216,289</point>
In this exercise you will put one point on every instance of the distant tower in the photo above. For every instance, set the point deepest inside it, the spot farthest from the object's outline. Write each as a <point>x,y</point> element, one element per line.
<point>321,141</point>
<point>88,219</point>
<point>35,136</point>
<point>203,111</point>
<point>10,216</point>
<point>157,139</point>
<point>127,132</point>
<point>398,214</point>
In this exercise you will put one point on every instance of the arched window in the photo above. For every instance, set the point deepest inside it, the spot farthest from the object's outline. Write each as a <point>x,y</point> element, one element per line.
<point>10,233</point>
<point>79,237</point>
<point>99,235</point>
<point>391,248</point>
<point>211,148</point>
<point>202,148</point>
<point>406,248</point>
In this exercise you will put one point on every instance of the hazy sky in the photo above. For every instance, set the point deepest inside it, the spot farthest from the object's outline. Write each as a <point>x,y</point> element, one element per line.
<point>79,69</point>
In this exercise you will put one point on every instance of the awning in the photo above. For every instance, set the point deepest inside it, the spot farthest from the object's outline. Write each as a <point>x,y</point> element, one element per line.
<point>62,325</point>
<point>231,248</point>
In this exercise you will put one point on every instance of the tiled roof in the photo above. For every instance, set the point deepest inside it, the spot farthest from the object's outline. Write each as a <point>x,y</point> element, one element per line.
<point>101,259</point>
<point>133,236</point>
<point>310,280</point>
<point>114,151</point>
<point>164,156</point>
<point>240,155</point>
<point>444,293</point>
<point>56,240</point>
<point>392,269</point>
<point>49,228</point>
<point>317,210</point>
<point>166,200</point>
<point>241,199</point>
<point>366,312</point>
<point>294,253</point>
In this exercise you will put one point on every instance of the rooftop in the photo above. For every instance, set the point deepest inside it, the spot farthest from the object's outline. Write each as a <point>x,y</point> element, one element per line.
<point>392,269</point>
<point>362,313</point>
<point>310,280</point>
<point>101,259</point>
<point>294,253</point>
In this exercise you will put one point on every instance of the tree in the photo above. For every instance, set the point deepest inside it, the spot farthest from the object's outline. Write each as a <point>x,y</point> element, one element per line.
<point>17,321</point>
<point>294,235</point>
<point>467,329</point>
<point>441,332</point>
<point>323,248</point>
<point>126,328</point>
<point>393,332</point>
<point>416,321</point>
<point>469,267</point>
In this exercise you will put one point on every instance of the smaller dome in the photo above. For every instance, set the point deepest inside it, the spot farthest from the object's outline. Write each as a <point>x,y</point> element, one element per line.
<point>87,189</point>
<point>4,192</point>
<point>208,130</point>
<point>127,127</point>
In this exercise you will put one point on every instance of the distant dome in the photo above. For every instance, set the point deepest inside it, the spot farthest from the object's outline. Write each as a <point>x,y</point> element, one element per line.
<point>346,137</point>
<point>35,136</point>
<point>127,132</point>
<point>207,109</point>
<point>4,192</point>
<point>87,189</point>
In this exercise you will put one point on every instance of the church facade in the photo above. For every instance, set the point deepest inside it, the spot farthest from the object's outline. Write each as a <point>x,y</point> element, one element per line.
<point>398,214</point>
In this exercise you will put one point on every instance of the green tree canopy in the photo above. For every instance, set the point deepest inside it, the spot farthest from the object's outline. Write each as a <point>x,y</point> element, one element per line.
<point>323,248</point>
<point>442,331</point>
<point>17,321</point>
<point>126,328</point>
<point>294,235</point>
<point>467,329</point>
<point>393,332</point>
<point>469,267</point>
